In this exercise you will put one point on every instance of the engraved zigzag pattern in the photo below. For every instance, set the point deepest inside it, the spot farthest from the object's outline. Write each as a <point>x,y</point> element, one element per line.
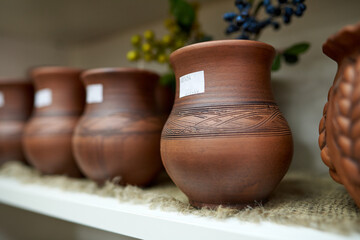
<point>234,120</point>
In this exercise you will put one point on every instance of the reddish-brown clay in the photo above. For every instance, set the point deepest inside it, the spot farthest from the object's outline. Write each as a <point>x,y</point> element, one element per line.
<point>119,134</point>
<point>59,102</point>
<point>16,103</point>
<point>164,99</point>
<point>229,145</point>
<point>339,129</point>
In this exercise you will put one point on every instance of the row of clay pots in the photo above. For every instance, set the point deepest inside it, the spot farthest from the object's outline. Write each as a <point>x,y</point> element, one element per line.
<point>117,135</point>
<point>225,141</point>
<point>114,133</point>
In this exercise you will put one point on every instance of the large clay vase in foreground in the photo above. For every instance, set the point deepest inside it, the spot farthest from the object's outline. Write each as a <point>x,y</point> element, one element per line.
<point>16,104</point>
<point>118,137</point>
<point>339,129</point>
<point>59,102</point>
<point>225,141</point>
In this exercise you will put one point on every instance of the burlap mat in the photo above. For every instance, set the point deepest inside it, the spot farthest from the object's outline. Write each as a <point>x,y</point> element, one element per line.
<point>313,201</point>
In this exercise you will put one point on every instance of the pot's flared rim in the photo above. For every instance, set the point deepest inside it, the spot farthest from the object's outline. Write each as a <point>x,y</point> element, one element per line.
<point>343,42</point>
<point>219,43</point>
<point>96,71</point>
<point>15,81</point>
<point>54,70</point>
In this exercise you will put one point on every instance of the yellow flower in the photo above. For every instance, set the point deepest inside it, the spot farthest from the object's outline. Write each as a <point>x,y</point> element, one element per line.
<point>179,43</point>
<point>146,47</point>
<point>148,57</point>
<point>136,40</point>
<point>174,29</point>
<point>167,39</point>
<point>169,23</point>
<point>162,58</point>
<point>132,55</point>
<point>149,35</point>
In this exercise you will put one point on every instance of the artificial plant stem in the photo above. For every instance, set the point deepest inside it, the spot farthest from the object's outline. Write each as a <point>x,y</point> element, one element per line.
<point>258,7</point>
<point>140,64</point>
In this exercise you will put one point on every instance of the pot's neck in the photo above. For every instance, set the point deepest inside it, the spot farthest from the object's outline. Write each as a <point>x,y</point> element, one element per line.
<point>343,62</point>
<point>115,95</point>
<point>231,76</point>
<point>16,101</point>
<point>59,95</point>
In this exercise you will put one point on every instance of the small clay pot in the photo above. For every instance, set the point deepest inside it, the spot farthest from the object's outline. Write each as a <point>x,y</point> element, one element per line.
<point>225,141</point>
<point>339,129</point>
<point>16,104</point>
<point>119,134</point>
<point>59,103</point>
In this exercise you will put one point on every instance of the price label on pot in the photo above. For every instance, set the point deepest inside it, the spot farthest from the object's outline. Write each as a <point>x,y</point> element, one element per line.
<point>2,99</point>
<point>43,98</point>
<point>94,93</point>
<point>192,83</point>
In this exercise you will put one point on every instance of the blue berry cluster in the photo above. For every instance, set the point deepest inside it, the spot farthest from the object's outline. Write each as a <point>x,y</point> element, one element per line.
<point>249,26</point>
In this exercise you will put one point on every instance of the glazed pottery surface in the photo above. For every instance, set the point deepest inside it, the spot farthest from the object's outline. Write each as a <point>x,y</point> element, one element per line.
<point>339,129</point>
<point>59,102</point>
<point>16,103</point>
<point>226,144</point>
<point>118,137</point>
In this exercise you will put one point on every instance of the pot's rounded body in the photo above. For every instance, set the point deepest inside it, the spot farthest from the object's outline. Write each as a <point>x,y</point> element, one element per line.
<point>339,131</point>
<point>59,103</point>
<point>225,141</point>
<point>118,137</point>
<point>16,104</point>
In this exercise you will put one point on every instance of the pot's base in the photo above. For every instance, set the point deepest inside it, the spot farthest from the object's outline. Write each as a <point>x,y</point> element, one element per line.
<point>239,206</point>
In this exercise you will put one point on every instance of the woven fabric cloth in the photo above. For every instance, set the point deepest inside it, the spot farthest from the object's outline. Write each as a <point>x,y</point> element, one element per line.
<point>313,201</point>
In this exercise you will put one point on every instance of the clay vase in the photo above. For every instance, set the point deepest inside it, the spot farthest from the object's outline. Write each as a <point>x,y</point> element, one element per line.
<point>59,103</point>
<point>118,137</point>
<point>16,104</point>
<point>339,129</point>
<point>225,141</point>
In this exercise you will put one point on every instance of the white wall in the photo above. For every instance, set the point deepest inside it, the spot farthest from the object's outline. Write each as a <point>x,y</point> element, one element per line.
<point>18,55</point>
<point>300,90</point>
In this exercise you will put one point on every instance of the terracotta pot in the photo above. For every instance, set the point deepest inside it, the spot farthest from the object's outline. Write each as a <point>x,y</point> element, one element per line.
<point>59,102</point>
<point>339,128</point>
<point>225,142</point>
<point>119,134</point>
<point>16,103</point>
<point>164,99</point>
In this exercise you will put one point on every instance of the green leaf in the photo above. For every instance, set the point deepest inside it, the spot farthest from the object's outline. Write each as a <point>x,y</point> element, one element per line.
<point>276,64</point>
<point>291,58</point>
<point>168,79</point>
<point>205,38</point>
<point>184,13</point>
<point>258,7</point>
<point>297,48</point>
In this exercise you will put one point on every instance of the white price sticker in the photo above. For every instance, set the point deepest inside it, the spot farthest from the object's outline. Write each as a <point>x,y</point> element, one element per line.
<point>43,98</point>
<point>94,93</point>
<point>2,99</point>
<point>192,83</point>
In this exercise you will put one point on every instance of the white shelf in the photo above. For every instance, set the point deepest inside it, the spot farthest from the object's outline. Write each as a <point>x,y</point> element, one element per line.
<point>140,221</point>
